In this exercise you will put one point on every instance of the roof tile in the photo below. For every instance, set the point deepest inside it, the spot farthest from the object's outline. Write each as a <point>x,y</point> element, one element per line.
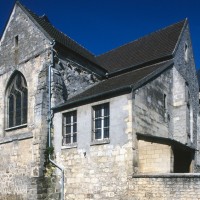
<point>157,45</point>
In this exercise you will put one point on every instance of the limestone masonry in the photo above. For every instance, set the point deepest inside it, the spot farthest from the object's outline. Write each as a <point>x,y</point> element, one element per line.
<point>120,126</point>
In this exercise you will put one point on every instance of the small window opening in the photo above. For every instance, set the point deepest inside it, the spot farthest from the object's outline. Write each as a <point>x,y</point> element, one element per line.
<point>165,102</point>
<point>16,41</point>
<point>186,50</point>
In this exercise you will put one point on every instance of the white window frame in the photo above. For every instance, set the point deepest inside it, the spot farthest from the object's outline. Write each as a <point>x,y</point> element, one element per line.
<point>71,124</point>
<point>102,117</point>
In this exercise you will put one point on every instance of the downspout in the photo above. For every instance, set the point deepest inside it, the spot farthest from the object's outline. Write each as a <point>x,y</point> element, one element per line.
<point>50,120</point>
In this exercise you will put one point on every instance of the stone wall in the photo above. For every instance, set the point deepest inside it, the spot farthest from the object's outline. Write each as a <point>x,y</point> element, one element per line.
<point>22,148</point>
<point>70,78</point>
<point>186,68</point>
<point>15,167</point>
<point>97,170</point>
<point>152,112</point>
<point>164,187</point>
<point>154,157</point>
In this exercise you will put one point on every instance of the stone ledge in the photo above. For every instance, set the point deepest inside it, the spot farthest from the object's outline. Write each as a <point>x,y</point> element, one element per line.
<point>168,175</point>
<point>22,136</point>
<point>69,146</point>
<point>100,142</point>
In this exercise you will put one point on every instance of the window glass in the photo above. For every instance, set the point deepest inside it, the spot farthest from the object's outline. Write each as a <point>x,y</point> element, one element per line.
<point>17,101</point>
<point>101,121</point>
<point>70,128</point>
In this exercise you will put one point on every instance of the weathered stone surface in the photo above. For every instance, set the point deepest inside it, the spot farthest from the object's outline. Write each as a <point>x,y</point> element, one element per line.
<point>94,169</point>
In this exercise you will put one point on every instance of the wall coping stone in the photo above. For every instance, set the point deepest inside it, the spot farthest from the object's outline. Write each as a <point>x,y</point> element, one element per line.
<point>168,175</point>
<point>22,136</point>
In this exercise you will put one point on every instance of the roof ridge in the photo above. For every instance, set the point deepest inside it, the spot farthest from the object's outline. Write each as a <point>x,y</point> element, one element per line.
<point>145,36</point>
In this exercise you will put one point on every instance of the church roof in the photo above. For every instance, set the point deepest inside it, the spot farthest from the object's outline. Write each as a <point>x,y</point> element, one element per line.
<point>159,45</point>
<point>153,48</point>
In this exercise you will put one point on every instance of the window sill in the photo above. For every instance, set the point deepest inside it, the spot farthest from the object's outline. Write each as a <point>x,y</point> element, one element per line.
<point>16,127</point>
<point>18,137</point>
<point>69,146</point>
<point>100,142</point>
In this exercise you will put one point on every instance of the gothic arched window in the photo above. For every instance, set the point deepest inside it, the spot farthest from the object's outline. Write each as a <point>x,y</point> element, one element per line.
<point>17,101</point>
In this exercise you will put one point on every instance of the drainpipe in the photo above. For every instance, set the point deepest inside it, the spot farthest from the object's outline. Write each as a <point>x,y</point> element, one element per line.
<point>50,120</point>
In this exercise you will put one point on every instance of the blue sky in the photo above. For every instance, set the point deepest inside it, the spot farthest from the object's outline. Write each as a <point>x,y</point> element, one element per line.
<point>101,25</point>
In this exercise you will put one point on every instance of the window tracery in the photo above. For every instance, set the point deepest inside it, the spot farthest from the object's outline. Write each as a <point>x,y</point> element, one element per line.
<point>17,99</point>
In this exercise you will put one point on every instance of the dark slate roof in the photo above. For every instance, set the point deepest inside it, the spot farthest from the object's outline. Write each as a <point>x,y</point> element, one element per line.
<point>52,33</point>
<point>156,46</point>
<point>123,83</point>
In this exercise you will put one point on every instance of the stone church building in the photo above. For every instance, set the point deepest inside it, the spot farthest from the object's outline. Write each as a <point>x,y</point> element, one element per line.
<point>118,126</point>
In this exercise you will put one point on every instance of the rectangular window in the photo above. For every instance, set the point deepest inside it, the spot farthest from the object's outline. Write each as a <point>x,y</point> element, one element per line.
<point>16,41</point>
<point>70,128</point>
<point>101,121</point>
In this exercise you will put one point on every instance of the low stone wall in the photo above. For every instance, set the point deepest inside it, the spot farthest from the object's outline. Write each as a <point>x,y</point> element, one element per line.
<point>164,187</point>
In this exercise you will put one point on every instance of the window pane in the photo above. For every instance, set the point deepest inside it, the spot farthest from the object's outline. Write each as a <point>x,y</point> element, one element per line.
<point>106,122</point>
<point>106,132</point>
<point>74,137</point>
<point>74,116</point>
<point>18,116</point>
<point>98,134</point>
<point>106,110</point>
<point>97,123</point>
<point>25,106</point>
<point>18,82</point>
<point>97,112</point>
<point>11,111</point>
<point>68,139</point>
<point>74,128</point>
<point>68,119</point>
<point>68,129</point>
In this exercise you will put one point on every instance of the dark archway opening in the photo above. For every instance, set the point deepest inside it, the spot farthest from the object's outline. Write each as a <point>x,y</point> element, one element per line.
<point>182,160</point>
